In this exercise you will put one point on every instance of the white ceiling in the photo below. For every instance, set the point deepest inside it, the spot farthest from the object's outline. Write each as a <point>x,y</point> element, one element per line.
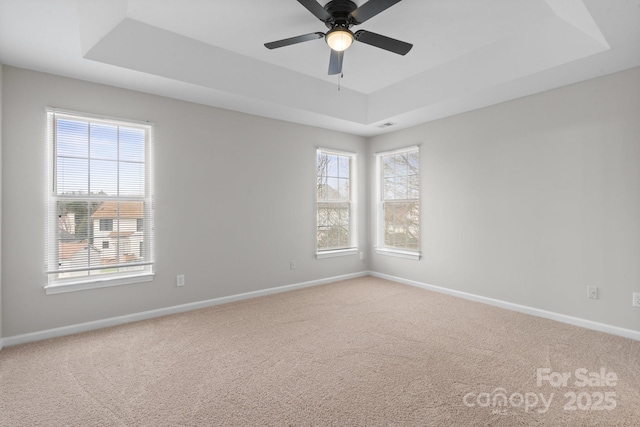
<point>467,54</point>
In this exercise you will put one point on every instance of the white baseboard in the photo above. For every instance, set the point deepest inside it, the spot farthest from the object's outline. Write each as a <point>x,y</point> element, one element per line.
<point>114,321</point>
<point>576,321</point>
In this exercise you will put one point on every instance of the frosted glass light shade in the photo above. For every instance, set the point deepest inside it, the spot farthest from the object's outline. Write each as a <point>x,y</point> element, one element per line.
<point>339,39</point>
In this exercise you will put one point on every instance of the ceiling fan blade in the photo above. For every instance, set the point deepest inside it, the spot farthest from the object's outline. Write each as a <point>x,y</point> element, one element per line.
<point>383,42</point>
<point>335,62</point>
<point>371,9</point>
<point>294,40</point>
<point>314,7</point>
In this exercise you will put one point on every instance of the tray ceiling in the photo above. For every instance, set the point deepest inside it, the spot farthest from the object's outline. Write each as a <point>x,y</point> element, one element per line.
<point>466,55</point>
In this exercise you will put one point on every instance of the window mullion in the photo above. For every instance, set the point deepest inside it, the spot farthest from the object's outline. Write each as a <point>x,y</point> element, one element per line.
<point>117,228</point>
<point>89,222</point>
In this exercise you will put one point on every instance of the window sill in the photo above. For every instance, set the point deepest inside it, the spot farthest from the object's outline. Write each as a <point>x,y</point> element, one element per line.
<point>336,253</point>
<point>81,285</point>
<point>399,253</point>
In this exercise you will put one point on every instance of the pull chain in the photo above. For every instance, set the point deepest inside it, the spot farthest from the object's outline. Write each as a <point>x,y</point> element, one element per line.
<point>339,80</point>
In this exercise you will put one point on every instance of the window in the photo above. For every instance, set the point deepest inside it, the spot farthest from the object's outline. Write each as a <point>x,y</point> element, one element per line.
<point>336,207</point>
<point>100,215</point>
<point>398,203</point>
<point>106,224</point>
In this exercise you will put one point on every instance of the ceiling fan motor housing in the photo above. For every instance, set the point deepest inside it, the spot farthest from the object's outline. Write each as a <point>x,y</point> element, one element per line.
<point>340,11</point>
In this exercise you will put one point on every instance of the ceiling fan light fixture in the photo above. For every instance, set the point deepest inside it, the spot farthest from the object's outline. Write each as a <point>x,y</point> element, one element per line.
<point>339,39</point>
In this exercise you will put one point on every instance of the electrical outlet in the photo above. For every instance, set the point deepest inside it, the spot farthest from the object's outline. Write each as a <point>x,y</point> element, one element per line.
<point>180,280</point>
<point>292,265</point>
<point>592,292</point>
<point>361,255</point>
<point>636,299</point>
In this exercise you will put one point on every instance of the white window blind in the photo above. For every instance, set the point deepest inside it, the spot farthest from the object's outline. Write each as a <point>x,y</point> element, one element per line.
<point>399,200</point>
<point>100,207</point>
<point>336,206</point>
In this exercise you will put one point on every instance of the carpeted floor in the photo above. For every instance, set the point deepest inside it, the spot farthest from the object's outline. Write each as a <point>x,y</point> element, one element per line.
<point>362,352</point>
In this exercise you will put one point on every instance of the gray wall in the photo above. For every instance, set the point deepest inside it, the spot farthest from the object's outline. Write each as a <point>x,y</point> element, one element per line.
<point>533,200</point>
<point>528,201</point>
<point>235,202</point>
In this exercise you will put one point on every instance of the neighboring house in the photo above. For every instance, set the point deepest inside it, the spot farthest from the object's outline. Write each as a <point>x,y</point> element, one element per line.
<point>76,255</point>
<point>117,231</point>
<point>327,192</point>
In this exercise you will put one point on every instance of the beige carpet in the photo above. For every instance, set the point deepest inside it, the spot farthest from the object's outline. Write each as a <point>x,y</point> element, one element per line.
<point>363,352</point>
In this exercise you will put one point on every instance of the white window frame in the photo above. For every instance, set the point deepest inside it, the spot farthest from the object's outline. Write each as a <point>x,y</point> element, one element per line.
<point>57,285</point>
<point>352,247</point>
<point>381,248</point>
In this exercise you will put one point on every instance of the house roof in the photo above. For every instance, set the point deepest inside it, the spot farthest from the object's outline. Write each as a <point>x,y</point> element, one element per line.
<point>127,210</point>
<point>123,258</point>
<point>69,250</point>
<point>115,234</point>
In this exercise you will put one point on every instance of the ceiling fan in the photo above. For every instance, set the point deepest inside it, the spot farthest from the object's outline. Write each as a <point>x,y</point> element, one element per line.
<point>339,16</point>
